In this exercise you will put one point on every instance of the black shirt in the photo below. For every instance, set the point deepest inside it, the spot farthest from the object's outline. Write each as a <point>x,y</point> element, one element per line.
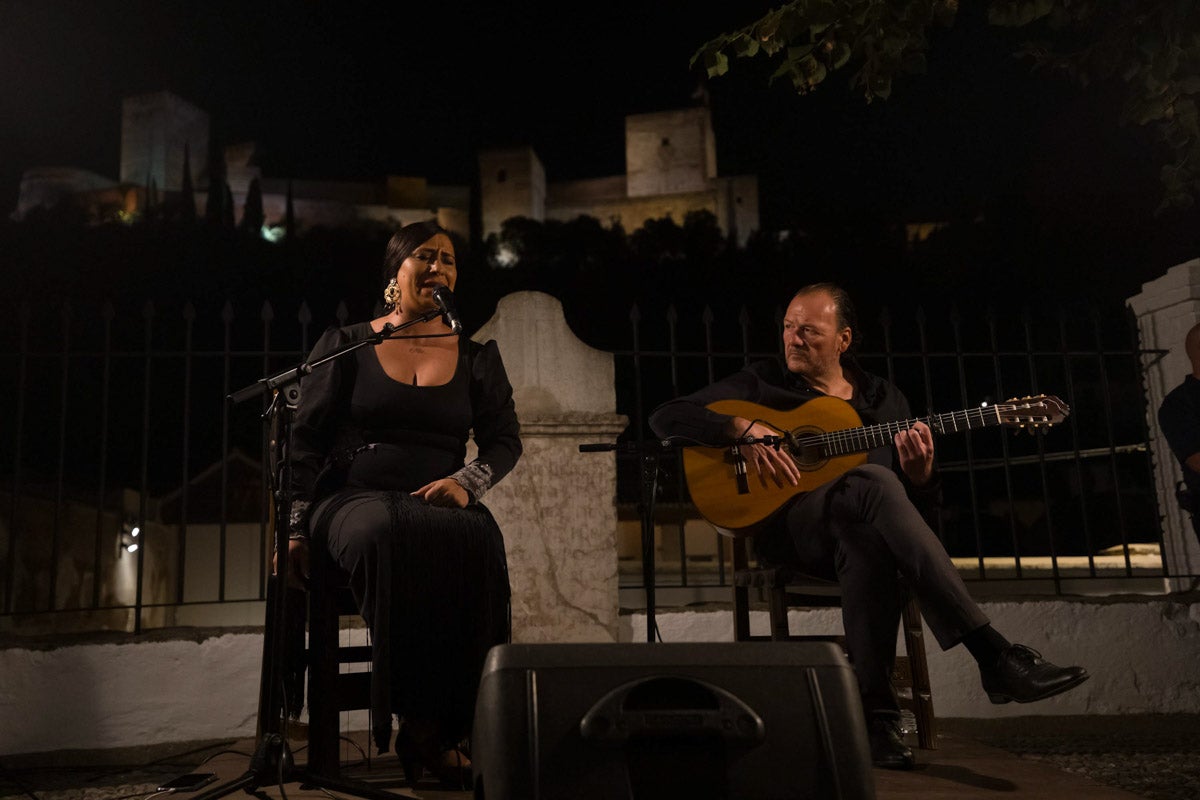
<point>1179,416</point>
<point>350,404</point>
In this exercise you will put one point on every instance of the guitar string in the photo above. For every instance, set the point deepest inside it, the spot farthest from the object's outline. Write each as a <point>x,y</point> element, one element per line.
<point>885,428</point>
<point>865,438</point>
<point>878,435</point>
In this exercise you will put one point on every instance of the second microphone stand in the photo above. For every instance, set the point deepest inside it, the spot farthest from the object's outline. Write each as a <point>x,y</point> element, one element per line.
<point>648,453</point>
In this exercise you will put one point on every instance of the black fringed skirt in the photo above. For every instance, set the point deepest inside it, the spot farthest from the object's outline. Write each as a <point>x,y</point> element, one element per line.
<point>432,585</point>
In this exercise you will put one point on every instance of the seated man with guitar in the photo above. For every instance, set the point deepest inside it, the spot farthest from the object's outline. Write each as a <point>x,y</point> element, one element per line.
<point>842,504</point>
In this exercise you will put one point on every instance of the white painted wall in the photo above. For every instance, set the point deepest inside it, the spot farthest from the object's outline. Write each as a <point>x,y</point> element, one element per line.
<point>1166,308</point>
<point>1143,654</point>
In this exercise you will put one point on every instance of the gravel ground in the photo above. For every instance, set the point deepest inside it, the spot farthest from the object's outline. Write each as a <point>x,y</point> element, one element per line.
<point>1155,756</point>
<point>104,774</point>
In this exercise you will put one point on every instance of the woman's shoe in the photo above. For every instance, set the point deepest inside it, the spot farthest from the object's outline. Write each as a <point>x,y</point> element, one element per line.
<point>419,754</point>
<point>452,768</point>
<point>408,750</point>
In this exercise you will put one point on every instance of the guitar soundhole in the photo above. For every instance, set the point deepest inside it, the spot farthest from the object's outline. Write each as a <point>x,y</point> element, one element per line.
<point>808,453</point>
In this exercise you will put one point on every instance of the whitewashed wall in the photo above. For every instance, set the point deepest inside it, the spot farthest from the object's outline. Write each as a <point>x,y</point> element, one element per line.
<point>1143,654</point>
<point>558,515</point>
<point>1166,308</point>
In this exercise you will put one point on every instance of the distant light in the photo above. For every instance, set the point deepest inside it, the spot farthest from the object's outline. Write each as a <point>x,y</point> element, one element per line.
<point>506,256</point>
<point>273,233</point>
<point>127,539</point>
<point>984,404</point>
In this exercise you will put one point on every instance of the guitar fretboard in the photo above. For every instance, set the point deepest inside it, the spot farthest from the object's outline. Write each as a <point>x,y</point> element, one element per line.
<point>857,440</point>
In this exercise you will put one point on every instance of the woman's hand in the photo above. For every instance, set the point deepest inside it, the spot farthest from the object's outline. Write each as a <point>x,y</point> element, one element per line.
<point>446,492</point>
<point>297,563</point>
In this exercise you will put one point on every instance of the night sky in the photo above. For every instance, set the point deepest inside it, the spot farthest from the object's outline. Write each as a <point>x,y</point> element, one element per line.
<point>353,91</point>
<point>346,90</point>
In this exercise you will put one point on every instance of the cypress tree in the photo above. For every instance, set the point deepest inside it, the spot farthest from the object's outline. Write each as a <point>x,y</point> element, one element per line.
<point>214,207</point>
<point>187,196</point>
<point>227,207</point>
<point>252,212</point>
<point>289,217</point>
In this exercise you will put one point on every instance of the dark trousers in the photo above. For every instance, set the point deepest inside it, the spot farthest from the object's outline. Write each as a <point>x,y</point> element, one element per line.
<point>862,530</point>
<point>432,584</point>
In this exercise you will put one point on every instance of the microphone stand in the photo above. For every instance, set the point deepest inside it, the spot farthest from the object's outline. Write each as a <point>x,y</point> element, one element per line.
<point>272,761</point>
<point>648,490</point>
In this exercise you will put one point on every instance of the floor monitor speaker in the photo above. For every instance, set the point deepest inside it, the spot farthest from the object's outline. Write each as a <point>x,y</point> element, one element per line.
<point>702,721</point>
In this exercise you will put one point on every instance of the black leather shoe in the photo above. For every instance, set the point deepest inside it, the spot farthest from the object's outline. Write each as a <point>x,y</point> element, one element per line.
<point>888,749</point>
<point>1021,674</point>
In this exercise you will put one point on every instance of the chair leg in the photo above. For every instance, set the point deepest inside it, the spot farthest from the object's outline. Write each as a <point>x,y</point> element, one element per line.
<point>741,593</point>
<point>741,614</point>
<point>914,645</point>
<point>323,671</point>
<point>777,600</point>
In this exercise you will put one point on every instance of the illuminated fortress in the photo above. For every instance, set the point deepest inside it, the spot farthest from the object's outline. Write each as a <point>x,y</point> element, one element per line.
<point>670,170</point>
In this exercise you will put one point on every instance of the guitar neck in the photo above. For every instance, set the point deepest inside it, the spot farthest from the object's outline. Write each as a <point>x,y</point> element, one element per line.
<point>858,440</point>
<point>826,438</point>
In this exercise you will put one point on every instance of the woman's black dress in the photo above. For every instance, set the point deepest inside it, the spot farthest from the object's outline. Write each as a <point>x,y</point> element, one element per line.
<point>431,582</point>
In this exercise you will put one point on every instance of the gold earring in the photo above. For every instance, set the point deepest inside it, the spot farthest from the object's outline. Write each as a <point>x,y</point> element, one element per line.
<point>391,295</point>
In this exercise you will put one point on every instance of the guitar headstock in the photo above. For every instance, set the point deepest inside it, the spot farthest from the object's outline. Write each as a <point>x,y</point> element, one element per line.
<point>1032,413</point>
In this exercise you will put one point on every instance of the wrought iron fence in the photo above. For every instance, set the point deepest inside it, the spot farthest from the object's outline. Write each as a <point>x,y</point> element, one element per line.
<point>114,420</point>
<point>125,466</point>
<point>1041,511</point>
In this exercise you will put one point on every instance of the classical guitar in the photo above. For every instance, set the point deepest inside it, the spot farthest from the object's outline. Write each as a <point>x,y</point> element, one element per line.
<point>826,438</point>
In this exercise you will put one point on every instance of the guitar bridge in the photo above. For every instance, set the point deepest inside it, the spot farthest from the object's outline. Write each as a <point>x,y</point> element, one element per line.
<point>739,469</point>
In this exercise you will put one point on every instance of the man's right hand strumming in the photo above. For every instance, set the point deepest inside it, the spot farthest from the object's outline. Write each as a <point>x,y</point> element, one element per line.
<point>766,460</point>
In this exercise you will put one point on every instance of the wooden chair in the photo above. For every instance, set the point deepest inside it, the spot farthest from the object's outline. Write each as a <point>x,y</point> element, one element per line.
<point>312,654</point>
<point>786,588</point>
<point>330,690</point>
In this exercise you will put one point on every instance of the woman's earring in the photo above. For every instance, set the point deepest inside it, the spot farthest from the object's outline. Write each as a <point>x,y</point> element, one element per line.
<point>391,295</point>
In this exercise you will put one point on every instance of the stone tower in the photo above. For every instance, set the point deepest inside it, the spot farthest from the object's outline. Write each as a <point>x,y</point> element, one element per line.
<point>670,152</point>
<point>155,128</point>
<point>512,183</point>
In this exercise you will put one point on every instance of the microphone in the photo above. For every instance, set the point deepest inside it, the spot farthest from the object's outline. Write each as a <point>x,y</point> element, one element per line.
<point>445,300</point>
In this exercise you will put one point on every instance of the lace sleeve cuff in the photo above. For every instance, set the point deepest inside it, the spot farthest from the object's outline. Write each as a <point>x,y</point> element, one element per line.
<point>476,478</point>
<point>298,520</point>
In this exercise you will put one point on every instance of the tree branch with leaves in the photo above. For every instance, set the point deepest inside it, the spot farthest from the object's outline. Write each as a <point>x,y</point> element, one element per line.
<point>1151,48</point>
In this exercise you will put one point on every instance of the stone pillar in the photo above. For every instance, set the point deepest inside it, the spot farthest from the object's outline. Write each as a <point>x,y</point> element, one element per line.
<point>1166,309</point>
<point>557,508</point>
